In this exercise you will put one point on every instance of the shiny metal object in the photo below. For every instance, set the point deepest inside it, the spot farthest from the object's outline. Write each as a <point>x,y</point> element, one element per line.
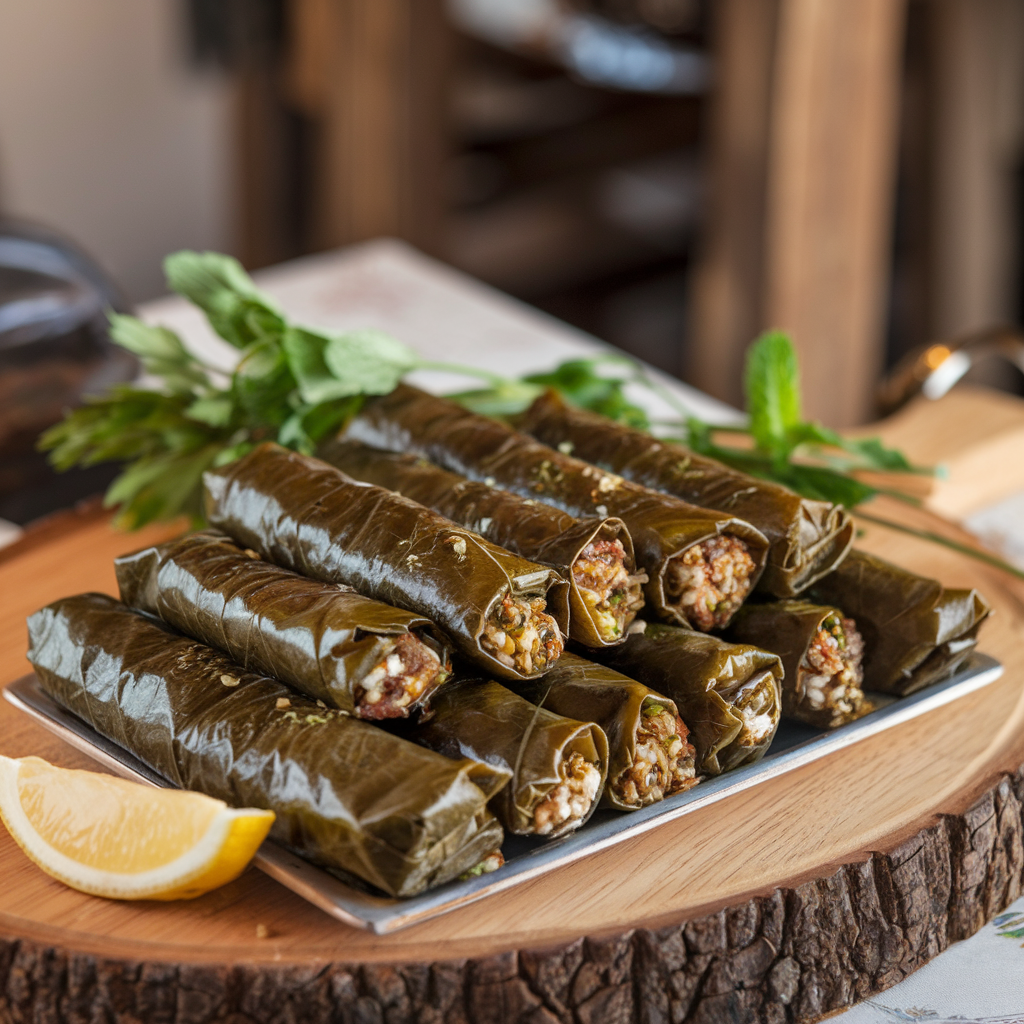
<point>526,857</point>
<point>933,370</point>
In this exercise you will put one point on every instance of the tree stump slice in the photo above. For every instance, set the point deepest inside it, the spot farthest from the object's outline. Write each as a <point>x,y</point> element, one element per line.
<point>782,903</point>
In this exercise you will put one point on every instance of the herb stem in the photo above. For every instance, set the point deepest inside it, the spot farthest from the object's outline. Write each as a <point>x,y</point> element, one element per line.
<point>641,376</point>
<point>891,492</point>
<point>494,379</point>
<point>953,545</point>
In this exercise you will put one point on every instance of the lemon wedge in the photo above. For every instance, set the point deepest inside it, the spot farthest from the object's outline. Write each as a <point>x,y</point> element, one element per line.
<point>110,837</point>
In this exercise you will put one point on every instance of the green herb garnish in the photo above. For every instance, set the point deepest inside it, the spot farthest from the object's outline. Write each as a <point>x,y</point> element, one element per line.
<point>297,385</point>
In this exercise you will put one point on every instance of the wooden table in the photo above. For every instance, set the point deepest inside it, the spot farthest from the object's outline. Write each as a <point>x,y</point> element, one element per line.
<point>782,903</point>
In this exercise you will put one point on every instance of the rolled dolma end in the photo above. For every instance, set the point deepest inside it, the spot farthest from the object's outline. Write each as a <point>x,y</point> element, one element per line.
<point>558,765</point>
<point>807,538</point>
<point>709,581</point>
<point>606,590</point>
<point>324,639</point>
<point>650,756</point>
<point>915,630</point>
<point>347,795</point>
<point>300,513</point>
<point>520,635</point>
<point>821,651</point>
<point>595,555</point>
<point>701,563</point>
<point>664,759</point>
<point>728,694</point>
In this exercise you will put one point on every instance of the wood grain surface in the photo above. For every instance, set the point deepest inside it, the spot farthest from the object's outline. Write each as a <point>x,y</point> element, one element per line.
<point>800,894</point>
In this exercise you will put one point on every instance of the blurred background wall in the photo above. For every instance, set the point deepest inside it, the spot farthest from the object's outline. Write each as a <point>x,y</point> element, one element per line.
<point>112,133</point>
<point>672,175</point>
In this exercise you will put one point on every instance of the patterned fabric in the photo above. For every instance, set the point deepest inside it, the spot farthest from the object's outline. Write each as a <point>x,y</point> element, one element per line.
<point>980,980</point>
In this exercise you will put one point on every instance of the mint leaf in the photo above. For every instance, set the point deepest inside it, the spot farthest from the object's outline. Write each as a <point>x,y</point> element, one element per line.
<point>824,484</point>
<point>215,410</point>
<point>871,453</point>
<point>699,436</point>
<point>304,351</point>
<point>263,385</point>
<point>237,310</point>
<point>293,433</point>
<point>370,362</point>
<point>312,423</point>
<point>503,400</point>
<point>201,276</point>
<point>328,417</point>
<point>161,487</point>
<point>877,456</point>
<point>772,385</point>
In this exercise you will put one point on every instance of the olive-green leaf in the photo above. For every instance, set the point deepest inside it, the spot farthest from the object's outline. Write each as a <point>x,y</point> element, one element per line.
<point>305,353</point>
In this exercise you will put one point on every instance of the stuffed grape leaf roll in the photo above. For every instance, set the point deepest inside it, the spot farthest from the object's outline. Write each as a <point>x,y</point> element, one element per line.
<point>594,555</point>
<point>324,639</point>
<point>822,653</point>
<point>309,517</point>
<point>807,538</point>
<point>915,630</point>
<point>728,694</point>
<point>701,563</point>
<point>558,765</point>
<point>650,755</point>
<point>348,795</point>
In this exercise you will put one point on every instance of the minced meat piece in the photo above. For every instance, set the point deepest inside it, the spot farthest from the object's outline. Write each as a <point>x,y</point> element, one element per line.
<point>408,669</point>
<point>830,675</point>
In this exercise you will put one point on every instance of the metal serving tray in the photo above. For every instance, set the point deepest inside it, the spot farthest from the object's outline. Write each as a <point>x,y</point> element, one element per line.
<point>794,745</point>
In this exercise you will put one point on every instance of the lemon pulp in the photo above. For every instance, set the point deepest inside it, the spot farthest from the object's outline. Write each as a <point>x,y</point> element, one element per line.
<point>111,837</point>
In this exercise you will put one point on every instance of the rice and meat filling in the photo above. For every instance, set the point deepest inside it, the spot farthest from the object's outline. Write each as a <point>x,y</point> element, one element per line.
<point>571,799</point>
<point>408,669</point>
<point>521,635</point>
<point>612,594</point>
<point>710,580</point>
<point>830,675</point>
<point>664,762</point>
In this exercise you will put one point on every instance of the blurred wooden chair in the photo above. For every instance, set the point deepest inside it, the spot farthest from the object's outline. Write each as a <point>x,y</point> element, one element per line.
<point>803,168</point>
<point>803,139</point>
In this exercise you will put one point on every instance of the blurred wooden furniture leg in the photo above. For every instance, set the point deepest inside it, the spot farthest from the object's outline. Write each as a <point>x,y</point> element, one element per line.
<point>822,244</point>
<point>263,142</point>
<point>377,86</point>
<point>830,194</point>
<point>728,286</point>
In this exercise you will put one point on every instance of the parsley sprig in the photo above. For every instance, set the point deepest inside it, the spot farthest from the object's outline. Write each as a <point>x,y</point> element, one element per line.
<point>297,385</point>
<point>290,384</point>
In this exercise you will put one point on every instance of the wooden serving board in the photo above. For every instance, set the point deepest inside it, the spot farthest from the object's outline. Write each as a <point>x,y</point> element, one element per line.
<point>783,903</point>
